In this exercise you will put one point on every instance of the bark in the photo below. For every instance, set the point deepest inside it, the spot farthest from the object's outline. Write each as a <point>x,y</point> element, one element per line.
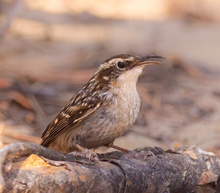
<point>149,170</point>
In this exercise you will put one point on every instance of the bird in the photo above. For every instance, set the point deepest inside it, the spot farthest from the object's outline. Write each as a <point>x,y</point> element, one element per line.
<point>103,110</point>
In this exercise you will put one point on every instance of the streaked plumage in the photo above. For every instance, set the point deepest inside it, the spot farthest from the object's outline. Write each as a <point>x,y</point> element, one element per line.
<point>103,110</point>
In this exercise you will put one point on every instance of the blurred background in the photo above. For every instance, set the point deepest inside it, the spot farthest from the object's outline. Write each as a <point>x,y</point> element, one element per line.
<point>50,48</point>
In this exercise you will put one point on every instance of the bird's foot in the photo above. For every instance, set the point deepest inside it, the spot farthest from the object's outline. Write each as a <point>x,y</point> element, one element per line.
<point>90,154</point>
<point>87,153</point>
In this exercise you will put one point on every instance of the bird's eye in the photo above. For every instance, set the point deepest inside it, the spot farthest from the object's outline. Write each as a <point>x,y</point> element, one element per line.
<point>120,64</point>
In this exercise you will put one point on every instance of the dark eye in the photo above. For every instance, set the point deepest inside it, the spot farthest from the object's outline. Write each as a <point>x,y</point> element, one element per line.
<point>120,64</point>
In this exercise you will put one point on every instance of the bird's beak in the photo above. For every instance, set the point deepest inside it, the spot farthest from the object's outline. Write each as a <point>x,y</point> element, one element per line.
<point>148,60</point>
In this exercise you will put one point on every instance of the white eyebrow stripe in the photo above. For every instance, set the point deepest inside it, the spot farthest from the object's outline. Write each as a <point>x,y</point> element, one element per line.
<point>120,59</point>
<point>129,59</point>
<point>113,61</point>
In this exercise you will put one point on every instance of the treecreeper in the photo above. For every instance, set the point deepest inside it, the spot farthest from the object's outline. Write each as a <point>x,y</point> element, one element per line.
<point>104,109</point>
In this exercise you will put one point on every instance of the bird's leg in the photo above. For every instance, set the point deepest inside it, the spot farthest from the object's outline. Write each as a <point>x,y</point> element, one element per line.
<point>140,155</point>
<point>118,148</point>
<point>91,155</point>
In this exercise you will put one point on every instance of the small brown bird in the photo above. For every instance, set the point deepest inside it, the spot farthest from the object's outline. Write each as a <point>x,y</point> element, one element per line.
<point>103,110</point>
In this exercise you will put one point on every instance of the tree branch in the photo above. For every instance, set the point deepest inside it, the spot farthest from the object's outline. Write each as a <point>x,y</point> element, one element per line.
<point>146,170</point>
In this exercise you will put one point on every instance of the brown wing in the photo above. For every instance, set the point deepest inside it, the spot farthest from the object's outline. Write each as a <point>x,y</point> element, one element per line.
<point>70,116</point>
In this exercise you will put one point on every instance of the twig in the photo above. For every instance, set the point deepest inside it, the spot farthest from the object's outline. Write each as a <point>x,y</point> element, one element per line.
<point>17,7</point>
<point>190,69</point>
<point>21,137</point>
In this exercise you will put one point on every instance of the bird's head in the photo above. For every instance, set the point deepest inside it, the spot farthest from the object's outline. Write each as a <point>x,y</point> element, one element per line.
<point>124,68</point>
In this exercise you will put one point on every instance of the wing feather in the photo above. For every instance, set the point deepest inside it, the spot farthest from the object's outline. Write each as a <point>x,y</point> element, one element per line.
<point>69,117</point>
<point>78,108</point>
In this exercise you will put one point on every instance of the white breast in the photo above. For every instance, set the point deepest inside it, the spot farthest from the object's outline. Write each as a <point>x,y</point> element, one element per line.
<point>128,104</point>
<point>128,97</point>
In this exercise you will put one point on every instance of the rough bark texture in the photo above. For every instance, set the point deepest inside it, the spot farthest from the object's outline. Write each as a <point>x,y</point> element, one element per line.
<point>149,170</point>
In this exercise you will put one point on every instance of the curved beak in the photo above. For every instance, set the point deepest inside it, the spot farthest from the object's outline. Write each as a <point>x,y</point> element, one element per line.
<point>148,60</point>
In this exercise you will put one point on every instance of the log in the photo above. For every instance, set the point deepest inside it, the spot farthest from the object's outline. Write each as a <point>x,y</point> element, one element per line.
<point>28,167</point>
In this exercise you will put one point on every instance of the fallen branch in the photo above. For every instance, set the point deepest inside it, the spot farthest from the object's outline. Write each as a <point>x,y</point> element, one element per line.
<point>146,170</point>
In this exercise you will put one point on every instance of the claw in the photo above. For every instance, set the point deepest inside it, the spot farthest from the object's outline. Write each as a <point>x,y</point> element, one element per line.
<point>87,153</point>
<point>91,155</point>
